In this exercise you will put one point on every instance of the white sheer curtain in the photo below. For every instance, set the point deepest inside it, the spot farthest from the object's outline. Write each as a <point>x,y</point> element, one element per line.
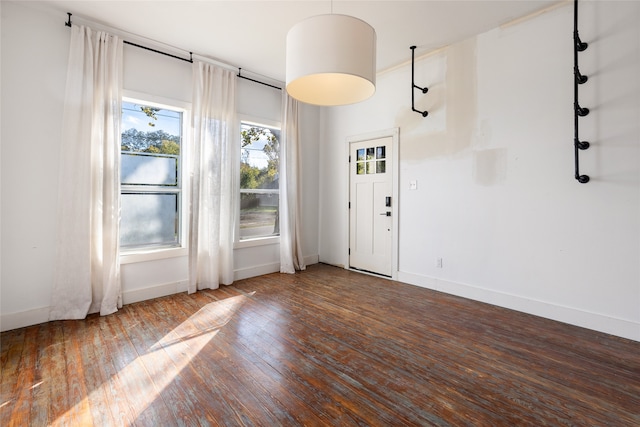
<point>291,258</point>
<point>213,198</point>
<point>87,270</point>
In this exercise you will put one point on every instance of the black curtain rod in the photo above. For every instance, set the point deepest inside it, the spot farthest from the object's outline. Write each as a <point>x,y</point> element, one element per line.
<point>256,81</point>
<point>190,60</point>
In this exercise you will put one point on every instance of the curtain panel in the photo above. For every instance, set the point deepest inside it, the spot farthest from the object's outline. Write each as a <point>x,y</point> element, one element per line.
<point>291,258</point>
<point>213,168</point>
<point>87,269</point>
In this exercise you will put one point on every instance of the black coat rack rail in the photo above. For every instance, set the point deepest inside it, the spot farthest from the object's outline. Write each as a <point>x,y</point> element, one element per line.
<point>578,111</point>
<point>414,86</point>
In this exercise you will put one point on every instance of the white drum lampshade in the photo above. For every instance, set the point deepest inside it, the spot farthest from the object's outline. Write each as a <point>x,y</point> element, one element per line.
<point>331,60</point>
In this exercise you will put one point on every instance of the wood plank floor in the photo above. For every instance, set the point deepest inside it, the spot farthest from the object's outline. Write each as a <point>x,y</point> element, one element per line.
<point>322,347</point>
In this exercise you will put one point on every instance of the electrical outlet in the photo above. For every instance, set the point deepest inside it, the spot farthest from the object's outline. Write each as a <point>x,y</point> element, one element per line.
<point>413,185</point>
<point>439,262</point>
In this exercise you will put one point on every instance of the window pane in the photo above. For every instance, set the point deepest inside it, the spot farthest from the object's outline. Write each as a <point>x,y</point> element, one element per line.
<point>147,129</point>
<point>360,168</point>
<point>371,167</point>
<point>149,219</point>
<point>380,166</point>
<point>380,152</point>
<point>259,175</point>
<point>260,157</point>
<point>371,152</point>
<point>149,169</point>
<point>259,215</point>
<point>360,154</point>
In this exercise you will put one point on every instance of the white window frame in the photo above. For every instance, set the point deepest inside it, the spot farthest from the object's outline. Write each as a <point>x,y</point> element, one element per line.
<point>256,241</point>
<point>151,253</point>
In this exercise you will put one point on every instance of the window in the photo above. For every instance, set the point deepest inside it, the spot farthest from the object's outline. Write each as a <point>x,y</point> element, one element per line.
<point>150,177</point>
<point>371,160</point>
<point>259,185</point>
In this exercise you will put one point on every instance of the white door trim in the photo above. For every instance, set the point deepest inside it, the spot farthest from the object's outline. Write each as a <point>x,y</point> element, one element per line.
<point>394,133</point>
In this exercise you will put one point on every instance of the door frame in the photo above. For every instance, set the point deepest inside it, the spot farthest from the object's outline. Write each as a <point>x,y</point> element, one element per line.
<point>394,133</point>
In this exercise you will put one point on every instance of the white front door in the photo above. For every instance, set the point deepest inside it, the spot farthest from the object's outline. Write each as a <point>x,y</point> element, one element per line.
<point>370,205</point>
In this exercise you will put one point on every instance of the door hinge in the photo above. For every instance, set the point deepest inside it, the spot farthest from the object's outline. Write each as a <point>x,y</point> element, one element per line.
<point>349,158</point>
<point>349,205</point>
<point>349,251</point>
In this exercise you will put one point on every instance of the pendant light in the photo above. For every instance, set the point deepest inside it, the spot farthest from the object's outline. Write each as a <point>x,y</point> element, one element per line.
<point>331,60</point>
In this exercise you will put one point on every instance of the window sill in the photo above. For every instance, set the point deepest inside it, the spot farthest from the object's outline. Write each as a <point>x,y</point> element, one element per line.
<point>152,255</point>
<point>260,241</point>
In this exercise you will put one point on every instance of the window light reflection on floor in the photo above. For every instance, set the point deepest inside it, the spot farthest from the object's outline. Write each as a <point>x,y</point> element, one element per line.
<point>150,373</point>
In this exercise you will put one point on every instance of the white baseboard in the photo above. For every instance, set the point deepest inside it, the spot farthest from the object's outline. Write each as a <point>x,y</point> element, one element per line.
<point>274,267</point>
<point>256,270</point>
<point>311,259</point>
<point>573,316</point>
<point>157,291</point>
<point>24,318</point>
<point>36,316</point>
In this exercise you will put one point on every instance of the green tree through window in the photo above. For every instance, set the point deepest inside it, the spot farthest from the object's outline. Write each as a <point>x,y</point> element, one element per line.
<point>150,164</point>
<point>259,186</point>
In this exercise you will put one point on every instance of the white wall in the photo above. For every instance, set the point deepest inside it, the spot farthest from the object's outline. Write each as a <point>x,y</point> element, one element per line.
<point>35,46</point>
<point>33,79</point>
<point>496,197</point>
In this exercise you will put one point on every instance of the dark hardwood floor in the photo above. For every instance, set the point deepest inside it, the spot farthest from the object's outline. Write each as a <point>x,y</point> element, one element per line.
<point>322,347</point>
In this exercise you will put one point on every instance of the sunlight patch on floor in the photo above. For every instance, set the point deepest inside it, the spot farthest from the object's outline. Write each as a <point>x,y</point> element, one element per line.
<point>145,377</point>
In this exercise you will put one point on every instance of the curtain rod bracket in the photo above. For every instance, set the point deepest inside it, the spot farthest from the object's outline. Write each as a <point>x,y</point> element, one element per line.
<point>68,23</point>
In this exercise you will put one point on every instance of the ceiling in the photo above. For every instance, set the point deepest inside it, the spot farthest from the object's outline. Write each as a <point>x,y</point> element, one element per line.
<point>252,34</point>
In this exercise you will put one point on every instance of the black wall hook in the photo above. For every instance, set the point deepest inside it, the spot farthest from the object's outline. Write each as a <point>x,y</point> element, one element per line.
<point>68,23</point>
<point>580,79</point>
<point>580,45</point>
<point>414,86</point>
<point>581,111</point>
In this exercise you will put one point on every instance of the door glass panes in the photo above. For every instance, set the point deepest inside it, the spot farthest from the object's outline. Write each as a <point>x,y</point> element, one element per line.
<point>259,181</point>
<point>371,153</point>
<point>150,163</point>
<point>371,160</point>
